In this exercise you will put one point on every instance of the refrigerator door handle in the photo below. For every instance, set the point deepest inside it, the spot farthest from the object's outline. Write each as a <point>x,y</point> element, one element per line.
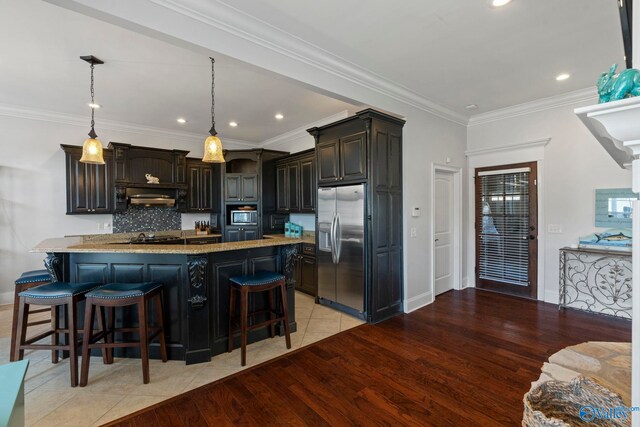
<point>338,238</point>
<point>333,240</point>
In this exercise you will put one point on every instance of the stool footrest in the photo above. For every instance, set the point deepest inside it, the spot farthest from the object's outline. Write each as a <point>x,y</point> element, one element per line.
<point>39,322</point>
<point>265,323</point>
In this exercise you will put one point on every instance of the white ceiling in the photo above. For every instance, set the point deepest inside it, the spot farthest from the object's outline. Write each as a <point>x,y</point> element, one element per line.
<point>461,52</point>
<point>453,53</point>
<point>143,81</point>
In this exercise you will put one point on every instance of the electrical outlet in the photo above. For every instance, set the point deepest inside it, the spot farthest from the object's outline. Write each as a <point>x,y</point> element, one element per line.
<point>100,226</point>
<point>414,232</point>
<point>107,225</point>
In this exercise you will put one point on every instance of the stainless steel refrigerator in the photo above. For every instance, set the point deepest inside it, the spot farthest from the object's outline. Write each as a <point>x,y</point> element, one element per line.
<point>340,252</point>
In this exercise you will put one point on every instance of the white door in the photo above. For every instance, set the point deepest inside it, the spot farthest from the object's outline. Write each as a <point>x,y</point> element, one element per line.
<point>443,232</point>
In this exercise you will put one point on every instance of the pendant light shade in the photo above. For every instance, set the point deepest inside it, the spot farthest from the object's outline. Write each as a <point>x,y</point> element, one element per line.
<point>92,147</point>
<point>213,145</point>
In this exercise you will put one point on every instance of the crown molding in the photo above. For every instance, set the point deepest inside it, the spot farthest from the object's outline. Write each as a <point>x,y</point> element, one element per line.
<point>30,113</point>
<point>227,18</point>
<point>543,104</point>
<point>301,132</point>
<point>511,147</point>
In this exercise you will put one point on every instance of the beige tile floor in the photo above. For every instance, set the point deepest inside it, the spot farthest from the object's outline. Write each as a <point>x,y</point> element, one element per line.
<point>117,390</point>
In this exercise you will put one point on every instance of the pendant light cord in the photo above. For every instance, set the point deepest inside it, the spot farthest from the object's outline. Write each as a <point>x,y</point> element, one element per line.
<point>92,134</point>
<point>213,98</point>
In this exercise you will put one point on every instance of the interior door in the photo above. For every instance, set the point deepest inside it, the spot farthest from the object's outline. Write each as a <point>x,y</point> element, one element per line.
<point>443,232</point>
<point>507,229</point>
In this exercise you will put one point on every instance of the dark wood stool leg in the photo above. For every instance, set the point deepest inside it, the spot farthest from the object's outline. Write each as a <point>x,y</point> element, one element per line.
<point>55,325</point>
<point>86,341</point>
<point>73,339</point>
<point>272,312</point>
<point>111,334</point>
<point>232,313</point>
<point>21,329</point>
<point>285,310</point>
<point>102,324</point>
<point>244,313</point>
<point>159,316</point>
<point>14,325</point>
<point>144,340</point>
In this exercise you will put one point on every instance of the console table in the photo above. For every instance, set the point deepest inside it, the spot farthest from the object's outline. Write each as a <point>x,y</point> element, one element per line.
<point>596,280</point>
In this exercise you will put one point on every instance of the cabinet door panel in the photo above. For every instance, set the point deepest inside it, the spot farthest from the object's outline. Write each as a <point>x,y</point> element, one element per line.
<point>281,188</point>
<point>308,274</point>
<point>249,188</point>
<point>232,234</point>
<point>80,187</point>
<point>206,188</point>
<point>293,182</point>
<point>101,194</point>
<point>328,162</point>
<point>193,199</point>
<point>249,233</point>
<point>232,188</point>
<point>307,185</point>
<point>353,157</point>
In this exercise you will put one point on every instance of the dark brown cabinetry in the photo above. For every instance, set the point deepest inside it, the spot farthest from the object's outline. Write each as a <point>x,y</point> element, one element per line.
<point>89,186</point>
<point>296,183</point>
<point>367,148</point>
<point>247,176</point>
<point>235,233</point>
<point>241,187</point>
<point>342,159</point>
<point>306,270</point>
<point>201,186</point>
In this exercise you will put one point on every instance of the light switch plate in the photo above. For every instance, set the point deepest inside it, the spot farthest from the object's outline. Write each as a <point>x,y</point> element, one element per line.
<point>414,232</point>
<point>415,212</point>
<point>554,228</point>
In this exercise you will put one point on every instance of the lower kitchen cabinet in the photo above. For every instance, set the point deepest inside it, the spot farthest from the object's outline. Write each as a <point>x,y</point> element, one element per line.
<point>239,234</point>
<point>306,270</point>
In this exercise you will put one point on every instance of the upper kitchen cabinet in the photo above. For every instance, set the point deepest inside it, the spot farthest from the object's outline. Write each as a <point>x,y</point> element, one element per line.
<point>241,187</point>
<point>296,183</point>
<point>203,186</point>
<point>342,159</point>
<point>89,186</point>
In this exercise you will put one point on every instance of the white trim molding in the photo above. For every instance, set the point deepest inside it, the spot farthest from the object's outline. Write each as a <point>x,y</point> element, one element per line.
<point>588,95</point>
<point>419,301</point>
<point>538,143</point>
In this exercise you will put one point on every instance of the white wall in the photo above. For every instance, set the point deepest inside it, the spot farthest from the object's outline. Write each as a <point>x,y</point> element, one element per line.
<point>574,165</point>
<point>33,186</point>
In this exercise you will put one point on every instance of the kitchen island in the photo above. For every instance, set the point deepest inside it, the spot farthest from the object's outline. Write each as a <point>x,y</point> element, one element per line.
<point>195,279</point>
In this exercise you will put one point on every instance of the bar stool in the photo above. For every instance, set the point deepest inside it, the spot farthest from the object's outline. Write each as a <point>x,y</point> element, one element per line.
<point>259,282</point>
<point>28,280</point>
<point>115,295</point>
<point>53,295</point>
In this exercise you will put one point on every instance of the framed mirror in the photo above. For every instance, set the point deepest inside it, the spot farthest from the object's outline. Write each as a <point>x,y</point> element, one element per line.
<point>614,207</point>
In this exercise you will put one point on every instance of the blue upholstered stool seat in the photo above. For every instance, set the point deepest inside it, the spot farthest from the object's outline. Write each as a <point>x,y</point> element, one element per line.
<point>123,290</point>
<point>259,278</point>
<point>59,290</point>
<point>33,276</point>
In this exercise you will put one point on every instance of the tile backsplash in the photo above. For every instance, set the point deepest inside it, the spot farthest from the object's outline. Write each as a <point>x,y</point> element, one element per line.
<point>139,219</point>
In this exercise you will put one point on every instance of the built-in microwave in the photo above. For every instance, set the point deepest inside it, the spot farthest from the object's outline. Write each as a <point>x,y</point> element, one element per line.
<point>244,217</point>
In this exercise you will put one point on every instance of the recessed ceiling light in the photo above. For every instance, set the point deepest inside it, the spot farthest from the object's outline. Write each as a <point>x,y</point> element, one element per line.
<point>94,105</point>
<point>279,116</point>
<point>233,124</point>
<point>498,3</point>
<point>562,77</point>
<point>181,120</point>
<point>471,107</point>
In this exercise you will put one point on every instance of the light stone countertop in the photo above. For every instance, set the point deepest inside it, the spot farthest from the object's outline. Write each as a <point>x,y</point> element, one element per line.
<point>78,244</point>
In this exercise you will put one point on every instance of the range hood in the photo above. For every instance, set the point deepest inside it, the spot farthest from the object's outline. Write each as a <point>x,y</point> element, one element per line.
<point>151,200</point>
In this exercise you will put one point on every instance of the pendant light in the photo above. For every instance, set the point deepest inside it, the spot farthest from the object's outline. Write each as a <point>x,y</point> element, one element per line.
<point>92,147</point>
<point>213,145</point>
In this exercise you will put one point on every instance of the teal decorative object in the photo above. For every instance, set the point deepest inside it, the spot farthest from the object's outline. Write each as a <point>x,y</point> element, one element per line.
<point>612,87</point>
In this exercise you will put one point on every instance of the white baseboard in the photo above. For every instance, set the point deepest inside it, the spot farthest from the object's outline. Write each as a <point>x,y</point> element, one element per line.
<point>552,297</point>
<point>417,302</point>
<point>6,298</point>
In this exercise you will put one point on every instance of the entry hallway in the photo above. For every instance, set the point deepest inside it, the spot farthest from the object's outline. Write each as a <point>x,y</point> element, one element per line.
<point>467,359</point>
